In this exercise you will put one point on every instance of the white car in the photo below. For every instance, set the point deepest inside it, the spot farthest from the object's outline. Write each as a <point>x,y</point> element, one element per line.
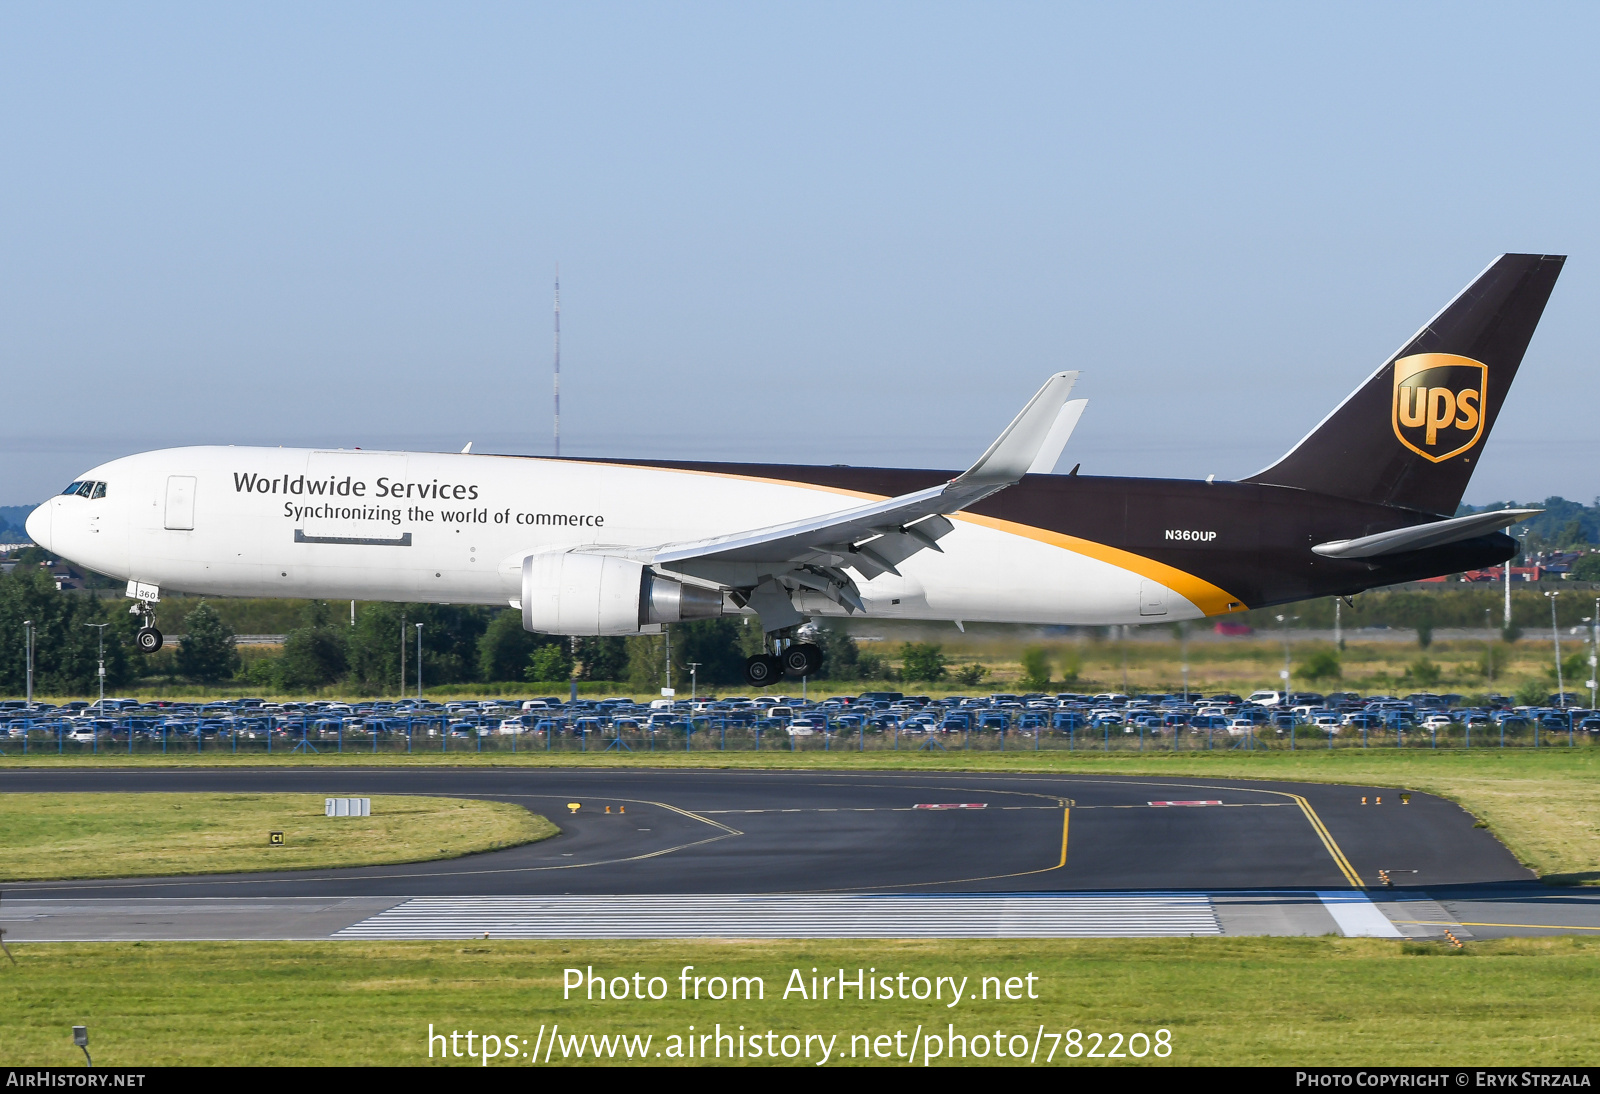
<point>520,723</point>
<point>1265,698</point>
<point>804,727</point>
<point>1437,720</point>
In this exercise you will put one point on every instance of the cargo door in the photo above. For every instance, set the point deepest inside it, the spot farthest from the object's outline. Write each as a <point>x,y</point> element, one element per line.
<point>1152,598</point>
<point>180,503</point>
<point>344,499</point>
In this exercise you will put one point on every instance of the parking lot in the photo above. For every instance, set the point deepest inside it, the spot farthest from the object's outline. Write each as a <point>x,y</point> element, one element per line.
<point>867,722</point>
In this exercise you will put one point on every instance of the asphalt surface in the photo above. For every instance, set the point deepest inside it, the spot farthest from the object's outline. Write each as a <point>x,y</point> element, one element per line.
<point>711,832</point>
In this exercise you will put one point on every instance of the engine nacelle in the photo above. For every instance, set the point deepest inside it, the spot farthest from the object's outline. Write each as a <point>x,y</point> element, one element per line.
<point>577,592</point>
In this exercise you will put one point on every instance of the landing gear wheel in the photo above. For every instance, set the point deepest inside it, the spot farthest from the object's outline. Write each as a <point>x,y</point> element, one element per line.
<point>762,669</point>
<point>148,639</point>
<point>802,659</point>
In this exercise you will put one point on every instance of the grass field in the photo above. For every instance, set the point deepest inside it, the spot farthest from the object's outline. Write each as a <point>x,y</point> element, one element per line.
<point>54,836</point>
<point>1544,805</point>
<point>1149,660</point>
<point>1321,1001</point>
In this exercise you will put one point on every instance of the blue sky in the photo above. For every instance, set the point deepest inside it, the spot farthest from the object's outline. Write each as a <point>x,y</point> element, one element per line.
<point>837,234</point>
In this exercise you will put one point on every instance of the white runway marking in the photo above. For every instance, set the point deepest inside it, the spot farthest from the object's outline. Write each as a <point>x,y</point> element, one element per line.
<point>1357,916</point>
<point>980,915</point>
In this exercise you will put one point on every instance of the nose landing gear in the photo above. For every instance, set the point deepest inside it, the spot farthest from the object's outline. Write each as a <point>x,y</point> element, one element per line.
<point>147,638</point>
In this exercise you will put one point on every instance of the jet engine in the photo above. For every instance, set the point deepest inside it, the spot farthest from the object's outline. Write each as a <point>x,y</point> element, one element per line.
<point>577,592</point>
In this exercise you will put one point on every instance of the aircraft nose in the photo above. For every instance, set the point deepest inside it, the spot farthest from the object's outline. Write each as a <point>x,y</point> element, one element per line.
<point>38,526</point>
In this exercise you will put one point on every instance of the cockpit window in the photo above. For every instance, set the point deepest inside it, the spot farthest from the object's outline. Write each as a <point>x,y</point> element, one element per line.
<point>73,489</point>
<point>99,490</point>
<point>86,489</point>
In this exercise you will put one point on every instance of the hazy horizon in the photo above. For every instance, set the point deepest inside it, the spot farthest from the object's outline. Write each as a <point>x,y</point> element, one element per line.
<point>837,234</point>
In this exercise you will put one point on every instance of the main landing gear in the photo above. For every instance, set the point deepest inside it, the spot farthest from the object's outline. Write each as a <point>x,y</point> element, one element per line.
<point>762,669</point>
<point>797,661</point>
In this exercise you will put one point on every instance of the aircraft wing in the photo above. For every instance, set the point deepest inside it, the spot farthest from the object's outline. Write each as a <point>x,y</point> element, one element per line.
<point>873,538</point>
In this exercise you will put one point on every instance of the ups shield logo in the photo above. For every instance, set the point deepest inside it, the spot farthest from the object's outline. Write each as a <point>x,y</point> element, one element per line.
<point>1438,403</point>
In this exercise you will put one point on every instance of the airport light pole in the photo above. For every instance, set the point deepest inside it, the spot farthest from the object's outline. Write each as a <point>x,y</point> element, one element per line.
<point>28,625</point>
<point>1590,683</point>
<point>1284,673</point>
<point>102,629</point>
<point>402,689</point>
<point>1183,654</point>
<point>419,662</point>
<point>1509,561</point>
<point>1594,654</point>
<point>694,681</point>
<point>1488,645</point>
<point>1555,638</point>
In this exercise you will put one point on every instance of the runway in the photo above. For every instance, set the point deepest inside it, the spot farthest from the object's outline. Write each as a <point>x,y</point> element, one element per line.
<point>1259,857</point>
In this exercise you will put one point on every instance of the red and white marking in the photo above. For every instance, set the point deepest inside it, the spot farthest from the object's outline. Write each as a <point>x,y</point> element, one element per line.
<point>1163,805</point>
<point>952,805</point>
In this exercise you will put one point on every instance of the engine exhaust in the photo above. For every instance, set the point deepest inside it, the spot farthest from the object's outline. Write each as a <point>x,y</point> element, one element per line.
<point>663,600</point>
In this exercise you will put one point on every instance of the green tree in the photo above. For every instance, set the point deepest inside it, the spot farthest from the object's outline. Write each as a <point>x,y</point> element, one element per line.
<point>1423,673</point>
<point>1035,668</point>
<point>714,644</point>
<point>208,652</point>
<point>1425,630</point>
<point>646,657</point>
<point>1071,667</point>
<point>550,663</point>
<point>505,649</point>
<point>1493,661</point>
<point>922,661</point>
<point>373,650</point>
<point>315,654</point>
<point>841,657</point>
<point>451,652</point>
<point>1587,568</point>
<point>1574,669</point>
<point>874,666</point>
<point>1322,665</point>
<point>65,647</point>
<point>1531,693</point>
<point>603,658</point>
<point>971,675</point>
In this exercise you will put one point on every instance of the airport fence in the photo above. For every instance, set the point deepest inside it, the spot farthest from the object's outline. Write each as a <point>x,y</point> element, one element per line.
<point>444,735</point>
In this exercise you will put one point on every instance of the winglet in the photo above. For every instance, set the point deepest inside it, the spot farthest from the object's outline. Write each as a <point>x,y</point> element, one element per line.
<point>1013,453</point>
<point>1056,441</point>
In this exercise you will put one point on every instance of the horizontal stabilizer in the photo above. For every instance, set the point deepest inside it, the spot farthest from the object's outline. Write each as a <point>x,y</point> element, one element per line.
<point>1420,536</point>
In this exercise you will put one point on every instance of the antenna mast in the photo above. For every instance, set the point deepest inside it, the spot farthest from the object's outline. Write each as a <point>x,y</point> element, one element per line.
<point>558,360</point>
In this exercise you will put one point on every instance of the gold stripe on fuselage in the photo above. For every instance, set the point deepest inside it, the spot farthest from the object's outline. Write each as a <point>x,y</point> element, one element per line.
<point>1209,598</point>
